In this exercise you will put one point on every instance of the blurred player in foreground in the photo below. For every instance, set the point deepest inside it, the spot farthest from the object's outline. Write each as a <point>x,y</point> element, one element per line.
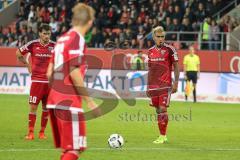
<point>66,74</point>
<point>160,87</point>
<point>40,51</point>
<point>191,68</point>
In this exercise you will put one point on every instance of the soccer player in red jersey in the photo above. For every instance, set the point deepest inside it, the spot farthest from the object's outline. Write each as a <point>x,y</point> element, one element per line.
<point>40,51</point>
<point>161,58</point>
<point>66,73</point>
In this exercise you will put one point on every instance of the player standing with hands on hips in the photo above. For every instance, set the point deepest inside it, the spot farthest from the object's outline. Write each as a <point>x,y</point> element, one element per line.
<point>161,58</point>
<point>40,51</point>
<point>66,74</point>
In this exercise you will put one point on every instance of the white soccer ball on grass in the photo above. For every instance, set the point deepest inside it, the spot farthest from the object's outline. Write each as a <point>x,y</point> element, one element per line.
<point>115,141</point>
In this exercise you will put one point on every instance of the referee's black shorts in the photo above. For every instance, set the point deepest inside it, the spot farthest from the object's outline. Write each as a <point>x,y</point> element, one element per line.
<point>192,76</point>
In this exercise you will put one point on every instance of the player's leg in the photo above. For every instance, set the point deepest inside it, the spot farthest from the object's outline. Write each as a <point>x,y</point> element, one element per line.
<point>161,110</point>
<point>73,140</point>
<point>34,100</point>
<point>44,120</point>
<point>194,80</point>
<point>45,113</point>
<point>187,86</point>
<point>70,155</point>
<point>56,128</point>
<point>162,117</point>
<point>32,115</point>
<point>186,90</point>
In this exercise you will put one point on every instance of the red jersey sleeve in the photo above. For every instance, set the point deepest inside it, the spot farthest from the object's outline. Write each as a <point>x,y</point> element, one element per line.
<point>26,48</point>
<point>173,54</point>
<point>149,52</point>
<point>76,52</point>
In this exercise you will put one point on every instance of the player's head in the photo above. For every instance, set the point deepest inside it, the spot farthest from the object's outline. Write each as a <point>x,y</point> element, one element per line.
<point>158,34</point>
<point>83,16</point>
<point>191,50</point>
<point>44,32</point>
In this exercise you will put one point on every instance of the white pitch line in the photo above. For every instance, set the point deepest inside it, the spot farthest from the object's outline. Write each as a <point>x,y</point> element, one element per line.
<point>126,149</point>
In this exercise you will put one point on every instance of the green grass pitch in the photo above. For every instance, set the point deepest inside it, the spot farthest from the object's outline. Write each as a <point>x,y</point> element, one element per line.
<point>202,131</point>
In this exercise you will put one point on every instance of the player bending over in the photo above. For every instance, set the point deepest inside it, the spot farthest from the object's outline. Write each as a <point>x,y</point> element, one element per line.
<point>40,51</point>
<point>162,57</point>
<point>66,73</point>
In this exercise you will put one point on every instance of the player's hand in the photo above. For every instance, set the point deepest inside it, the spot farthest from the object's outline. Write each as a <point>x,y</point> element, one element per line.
<point>174,87</point>
<point>94,108</point>
<point>147,92</point>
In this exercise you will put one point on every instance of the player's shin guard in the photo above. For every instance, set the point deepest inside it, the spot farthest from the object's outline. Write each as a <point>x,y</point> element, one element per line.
<point>70,156</point>
<point>163,122</point>
<point>44,120</point>
<point>31,122</point>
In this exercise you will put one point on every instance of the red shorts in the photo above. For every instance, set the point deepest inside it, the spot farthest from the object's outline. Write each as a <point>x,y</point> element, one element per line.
<point>68,128</point>
<point>162,99</point>
<point>38,92</point>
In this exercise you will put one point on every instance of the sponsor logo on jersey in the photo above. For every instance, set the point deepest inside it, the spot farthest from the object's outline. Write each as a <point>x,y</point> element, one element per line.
<point>163,52</point>
<point>43,55</point>
<point>50,48</point>
<point>157,59</point>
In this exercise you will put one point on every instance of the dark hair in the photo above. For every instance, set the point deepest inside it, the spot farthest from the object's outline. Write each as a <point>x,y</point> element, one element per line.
<point>45,27</point>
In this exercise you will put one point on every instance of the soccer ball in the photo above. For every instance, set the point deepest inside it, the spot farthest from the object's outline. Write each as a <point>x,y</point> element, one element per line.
<point>115,141</point>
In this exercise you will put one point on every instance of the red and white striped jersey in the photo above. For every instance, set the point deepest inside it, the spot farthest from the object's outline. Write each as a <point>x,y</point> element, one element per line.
<point>69,51</point>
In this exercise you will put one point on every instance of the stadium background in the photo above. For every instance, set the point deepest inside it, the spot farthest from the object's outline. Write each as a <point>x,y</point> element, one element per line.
<point>196,131</point>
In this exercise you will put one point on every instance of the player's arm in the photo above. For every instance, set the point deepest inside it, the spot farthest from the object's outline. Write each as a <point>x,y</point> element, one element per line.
<point>198,68</point>
<point>176,77</point>
<point>198,71</point>
<point>21,59</point>
<point>50,69</point>
<point>78,83</point>
<point>50,72</point>
<point>185,71</point>
<point>174,59</point>
<point>185,67</point>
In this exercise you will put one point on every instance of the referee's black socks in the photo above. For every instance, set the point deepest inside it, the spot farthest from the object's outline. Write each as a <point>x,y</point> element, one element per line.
<point>194,95</point>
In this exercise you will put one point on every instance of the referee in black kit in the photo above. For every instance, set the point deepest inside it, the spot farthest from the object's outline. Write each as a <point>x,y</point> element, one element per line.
<point>191,67</point>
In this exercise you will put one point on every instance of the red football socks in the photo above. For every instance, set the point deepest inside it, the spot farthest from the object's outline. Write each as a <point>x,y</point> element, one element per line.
<point>162,123</point>
<point>69,156</point>
<point>44,120</point>
<point>31,121</point>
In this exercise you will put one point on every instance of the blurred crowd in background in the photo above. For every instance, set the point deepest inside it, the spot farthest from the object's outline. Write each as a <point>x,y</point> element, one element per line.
<point>128,21</point>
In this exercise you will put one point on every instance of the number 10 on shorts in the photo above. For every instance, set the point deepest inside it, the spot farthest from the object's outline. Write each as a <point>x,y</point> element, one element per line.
<point>32,99</point>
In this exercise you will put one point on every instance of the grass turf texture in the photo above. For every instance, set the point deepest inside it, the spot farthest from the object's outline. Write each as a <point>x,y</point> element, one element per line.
<point>210,131</point>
